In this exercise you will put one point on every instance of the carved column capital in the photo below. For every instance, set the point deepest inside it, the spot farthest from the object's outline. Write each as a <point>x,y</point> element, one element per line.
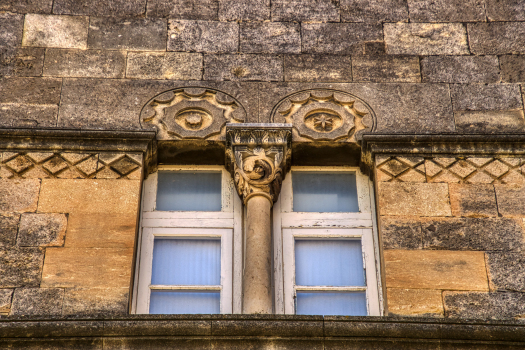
<point>258,157</point>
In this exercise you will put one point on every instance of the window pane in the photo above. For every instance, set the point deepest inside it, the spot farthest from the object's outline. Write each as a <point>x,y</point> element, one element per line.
<point>187,190</point>
<point>333,262</point>
<point>319,303</point>
<point>186,262</point>
<point>324,192</point>
<point>175,302</point>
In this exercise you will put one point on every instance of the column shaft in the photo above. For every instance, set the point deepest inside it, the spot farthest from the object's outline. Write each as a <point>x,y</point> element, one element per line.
<point>257,293</point>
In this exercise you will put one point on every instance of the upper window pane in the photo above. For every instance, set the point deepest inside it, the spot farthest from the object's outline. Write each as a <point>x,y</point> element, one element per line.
<point>186,262</point>
<point>189,191</point>
<point>335,263</point>
<point>315,191</point>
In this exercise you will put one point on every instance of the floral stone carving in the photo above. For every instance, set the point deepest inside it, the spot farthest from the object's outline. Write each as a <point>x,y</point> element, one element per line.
<point>192,113</point>
<point>324,114</point>
<point>258,158</point>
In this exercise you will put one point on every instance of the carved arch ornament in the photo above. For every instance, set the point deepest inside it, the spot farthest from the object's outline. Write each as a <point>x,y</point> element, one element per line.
<point>192,113</point>
<point>202,113</point>
<point>325,115</point>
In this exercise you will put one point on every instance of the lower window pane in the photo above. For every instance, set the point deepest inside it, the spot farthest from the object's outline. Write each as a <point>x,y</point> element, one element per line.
<point>319,303</point>
<point>175,302</point>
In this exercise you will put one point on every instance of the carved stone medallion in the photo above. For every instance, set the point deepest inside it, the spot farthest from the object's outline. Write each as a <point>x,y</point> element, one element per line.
<point>324,114</point>
<point>258,158</point>
<point>192,113</point>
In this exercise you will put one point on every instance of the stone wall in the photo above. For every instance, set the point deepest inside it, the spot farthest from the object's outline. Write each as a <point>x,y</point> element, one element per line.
<point>453,235</point>
<point>424,66</point>
<point>67,231</point>
<point>452,227</point>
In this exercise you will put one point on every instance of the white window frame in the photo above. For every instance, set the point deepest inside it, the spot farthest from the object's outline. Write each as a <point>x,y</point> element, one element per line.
<point>225,224</point>
<point>289,225</point>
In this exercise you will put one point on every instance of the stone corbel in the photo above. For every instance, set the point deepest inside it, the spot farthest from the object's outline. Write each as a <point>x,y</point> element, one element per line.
<point>258,157</point>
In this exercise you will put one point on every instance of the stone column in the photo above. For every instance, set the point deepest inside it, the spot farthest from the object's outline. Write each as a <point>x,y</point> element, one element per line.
<point>258,157</point>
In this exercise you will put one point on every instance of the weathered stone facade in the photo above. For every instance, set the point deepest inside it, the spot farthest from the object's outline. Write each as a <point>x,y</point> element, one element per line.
<point>426,96</point>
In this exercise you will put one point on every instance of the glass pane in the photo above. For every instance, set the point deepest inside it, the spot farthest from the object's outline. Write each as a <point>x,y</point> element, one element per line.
<point>186,262</point>
<point>321,303</point>
<point>188,190</point>
<point>175,302</point>
<point>324,192</point>
<point>333,262</point>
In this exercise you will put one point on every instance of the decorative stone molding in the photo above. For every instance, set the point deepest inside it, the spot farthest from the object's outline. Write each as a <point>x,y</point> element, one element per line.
<point>192,113</point>
<point>258,157</point>
<point>69,165</point>
<point>325,115</point>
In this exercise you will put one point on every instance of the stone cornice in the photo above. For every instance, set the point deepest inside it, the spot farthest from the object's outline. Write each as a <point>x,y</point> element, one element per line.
<point>439,145</point>
<point>227,330</point>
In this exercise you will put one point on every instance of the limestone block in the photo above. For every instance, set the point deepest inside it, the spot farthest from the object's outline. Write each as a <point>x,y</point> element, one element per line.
<point>8,229</point>
<point>26,6</point>
<point>164,65</point>
<point>302,11</point>
<point>270,37</point>
<point>47,230</point>
<point>512,68</point>
<point>338,38</point>
<point>100,8</point>
<point>511,200</point>
<point>477,200</point>
<point>400,233</point>
<point>20,267</point>
<point>203,36</point>
<point>37,301</point>
<point>87,267</point>
<point>402,69</point>
<point>496,38</point>
<point>446,10</point>
<point>322,68</point>
<point>19,195</point>
<point>107,301</point>
<point>34,91</point>
<point>485,306</point>
<point>6,296</point>
<point>480,97</point>
<point>485,234</point>
<point>205,10</point>
<point>415,302</point>
<point>55,31</point>
<point>414,199</point>
<point>115,104</point>
<point>460,69</point>
<point>375,11</point>
<point>482,122</point>
<point>505,10</point>
<point>127,33</point>
<point>413,108</point>
<point>84,63</point>
<point>506,271</point>
<point>243,67</point>
<point>22,62</point>
<point>425,39</point>
<point>89,196</point>
<point>101,230</point>
<point>435,269</point>
<point>255,10</point>
<point>12,27</point>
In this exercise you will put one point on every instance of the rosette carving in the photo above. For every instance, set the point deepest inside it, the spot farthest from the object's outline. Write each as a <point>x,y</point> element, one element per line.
<point>258,158</point>
<point>192,113</point>
<point>325,115</point>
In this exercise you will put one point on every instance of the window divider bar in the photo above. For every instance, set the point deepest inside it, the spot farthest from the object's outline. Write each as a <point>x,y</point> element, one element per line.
<point>329,289</point>
<point>184,287</point>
